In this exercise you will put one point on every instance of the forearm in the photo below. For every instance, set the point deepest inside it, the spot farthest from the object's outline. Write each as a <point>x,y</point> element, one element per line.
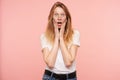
<point>51,58</point>
<point>67,57</point>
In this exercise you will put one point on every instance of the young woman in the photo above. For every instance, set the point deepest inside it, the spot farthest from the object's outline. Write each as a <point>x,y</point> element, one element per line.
<point>59,45</point>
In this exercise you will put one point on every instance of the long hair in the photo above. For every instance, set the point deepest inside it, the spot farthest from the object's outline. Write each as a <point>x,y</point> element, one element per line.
<point>50,33</point>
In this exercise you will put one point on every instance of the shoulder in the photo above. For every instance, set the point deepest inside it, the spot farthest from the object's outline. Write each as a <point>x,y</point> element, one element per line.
<point>76,38</point>
<point>76,32</point>
<point>42,36</point>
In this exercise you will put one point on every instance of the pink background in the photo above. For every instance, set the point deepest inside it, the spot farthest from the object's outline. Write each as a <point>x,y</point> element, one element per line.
<point>23,21</point>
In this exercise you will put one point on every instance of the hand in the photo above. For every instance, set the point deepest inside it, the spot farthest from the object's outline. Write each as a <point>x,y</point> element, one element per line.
<point>62,29</point>
<point>57,33</point>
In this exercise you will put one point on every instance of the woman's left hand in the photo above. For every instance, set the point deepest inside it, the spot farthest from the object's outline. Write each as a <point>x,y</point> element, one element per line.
<point>62,29</point>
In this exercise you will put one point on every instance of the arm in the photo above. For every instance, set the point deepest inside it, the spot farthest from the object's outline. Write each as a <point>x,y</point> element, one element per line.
<point>50,56</point>
<point>68,55</point>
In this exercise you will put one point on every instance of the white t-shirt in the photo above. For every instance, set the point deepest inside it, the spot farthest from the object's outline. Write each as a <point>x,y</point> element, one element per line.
<point>59,66</point>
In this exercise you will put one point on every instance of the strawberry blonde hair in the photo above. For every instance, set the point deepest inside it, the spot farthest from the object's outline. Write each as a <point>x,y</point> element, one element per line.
<point>50,33</point>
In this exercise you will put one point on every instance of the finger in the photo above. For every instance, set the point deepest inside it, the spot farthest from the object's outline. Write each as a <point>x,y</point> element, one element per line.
<point>55,26</point>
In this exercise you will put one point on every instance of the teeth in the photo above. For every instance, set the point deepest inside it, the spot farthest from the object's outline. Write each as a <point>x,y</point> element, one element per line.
<point>59,22</point>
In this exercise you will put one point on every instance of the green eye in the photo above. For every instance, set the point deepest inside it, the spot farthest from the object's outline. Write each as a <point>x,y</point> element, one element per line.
<point>56,14</point>
<point>62,14</point>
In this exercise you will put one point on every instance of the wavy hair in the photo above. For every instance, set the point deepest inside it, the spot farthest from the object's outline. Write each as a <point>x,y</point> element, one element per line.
<point>50,33</point>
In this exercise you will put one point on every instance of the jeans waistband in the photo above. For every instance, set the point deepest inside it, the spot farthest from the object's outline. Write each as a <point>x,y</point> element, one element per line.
<point>65,76</point>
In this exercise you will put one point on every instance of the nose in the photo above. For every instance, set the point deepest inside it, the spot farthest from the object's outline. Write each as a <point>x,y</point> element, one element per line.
<point>59,19</point>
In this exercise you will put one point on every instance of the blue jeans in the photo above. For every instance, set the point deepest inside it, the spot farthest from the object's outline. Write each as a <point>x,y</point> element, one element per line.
<point>50,77</point>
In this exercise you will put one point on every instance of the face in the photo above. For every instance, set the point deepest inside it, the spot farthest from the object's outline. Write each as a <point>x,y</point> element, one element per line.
<point>59,16</point>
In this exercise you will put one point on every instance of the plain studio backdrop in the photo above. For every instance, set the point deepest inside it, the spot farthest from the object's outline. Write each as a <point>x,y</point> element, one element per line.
<point>23,21</point>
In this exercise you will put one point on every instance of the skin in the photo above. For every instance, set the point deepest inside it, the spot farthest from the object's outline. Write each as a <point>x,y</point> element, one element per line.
<point>68,54</point>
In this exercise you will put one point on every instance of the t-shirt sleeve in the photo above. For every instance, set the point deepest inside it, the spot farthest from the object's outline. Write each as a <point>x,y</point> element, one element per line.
<point>43,41</point>
<point>76,38</point>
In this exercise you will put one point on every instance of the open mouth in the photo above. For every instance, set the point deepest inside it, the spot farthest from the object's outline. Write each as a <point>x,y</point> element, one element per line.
<point>59,22</point>
<point>59,25</point>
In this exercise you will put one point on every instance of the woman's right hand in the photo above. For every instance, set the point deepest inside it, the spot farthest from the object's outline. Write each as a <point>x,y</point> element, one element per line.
<point>57,33</point>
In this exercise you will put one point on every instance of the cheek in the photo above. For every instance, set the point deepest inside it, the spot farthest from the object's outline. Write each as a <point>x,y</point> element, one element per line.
<point>64,19</point>
<point>55,19</point>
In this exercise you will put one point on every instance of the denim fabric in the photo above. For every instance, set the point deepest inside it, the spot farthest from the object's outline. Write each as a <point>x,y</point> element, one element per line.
<point>72,79</point>
<point>46,77</point>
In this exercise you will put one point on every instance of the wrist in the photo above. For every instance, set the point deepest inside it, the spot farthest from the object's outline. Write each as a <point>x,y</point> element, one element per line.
<point>61,39</point>
<point>56,39</point>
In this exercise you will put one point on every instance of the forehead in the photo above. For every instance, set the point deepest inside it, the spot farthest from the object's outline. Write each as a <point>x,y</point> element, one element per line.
<point>59,10</point>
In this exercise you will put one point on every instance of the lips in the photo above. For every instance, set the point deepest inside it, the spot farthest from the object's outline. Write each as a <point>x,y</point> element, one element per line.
<point>59,24</point>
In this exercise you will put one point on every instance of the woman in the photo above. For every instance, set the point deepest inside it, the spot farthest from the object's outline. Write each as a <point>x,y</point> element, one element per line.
<point>59,45</point>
